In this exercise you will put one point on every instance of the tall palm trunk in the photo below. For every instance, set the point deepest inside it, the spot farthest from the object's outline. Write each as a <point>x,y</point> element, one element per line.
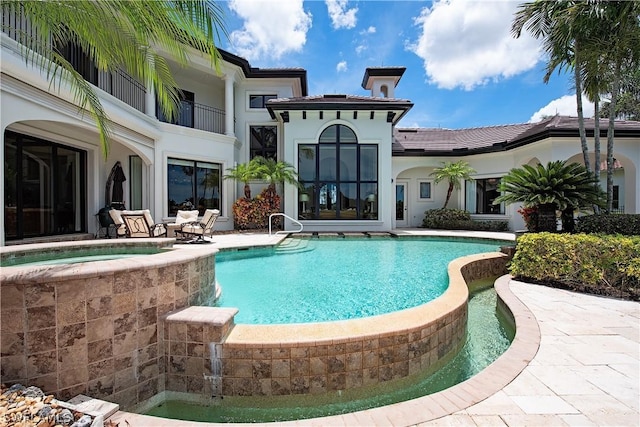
<point>596,145</point>
<point>577,77</point>
<point>610,133</point>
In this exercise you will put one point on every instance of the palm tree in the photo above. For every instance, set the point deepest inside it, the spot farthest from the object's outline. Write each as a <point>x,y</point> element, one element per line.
<point>597,39</point>
<point>556,186</point>
<point>243,172</point>
<point>453,173</point>
<point>115,35</point>
<point>561,25</point>
<point>621,50</point>
<point>275,172</point>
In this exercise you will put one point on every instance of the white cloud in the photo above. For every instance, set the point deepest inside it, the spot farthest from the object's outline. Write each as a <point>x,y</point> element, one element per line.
<point>564,106</point>
<point>370,30</point>
<point>468,43</point>
<point>341,17</point>
<point>271,28</point>
<point>361,48</point>
<point>342,66</point>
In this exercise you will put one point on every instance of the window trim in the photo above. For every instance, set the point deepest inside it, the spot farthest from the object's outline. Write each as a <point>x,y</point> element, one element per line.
<point>431,186</point>
<point>194,161</point>
<point>264,101</point>
<point>362,213</point>
<point>262,125</point>
<point>474,209</point>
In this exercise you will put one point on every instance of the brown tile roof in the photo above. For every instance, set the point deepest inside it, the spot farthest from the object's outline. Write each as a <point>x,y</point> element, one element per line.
<point>421,141</point>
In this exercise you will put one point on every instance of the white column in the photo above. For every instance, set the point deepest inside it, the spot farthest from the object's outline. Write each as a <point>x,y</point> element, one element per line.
<point>150,101</point>
<point>229,114</point>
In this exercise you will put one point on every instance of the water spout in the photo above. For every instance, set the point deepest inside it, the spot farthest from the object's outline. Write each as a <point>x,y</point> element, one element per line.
<point>215,349</point>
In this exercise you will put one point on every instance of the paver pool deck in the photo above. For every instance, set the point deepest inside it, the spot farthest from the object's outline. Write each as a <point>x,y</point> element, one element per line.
<point>575,361</point>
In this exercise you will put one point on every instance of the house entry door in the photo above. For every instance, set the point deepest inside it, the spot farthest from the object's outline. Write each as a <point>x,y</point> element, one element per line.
<point>401,205</point>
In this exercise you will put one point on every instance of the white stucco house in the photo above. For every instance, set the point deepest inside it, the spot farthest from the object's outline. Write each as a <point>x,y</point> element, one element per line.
<point>360,170</point>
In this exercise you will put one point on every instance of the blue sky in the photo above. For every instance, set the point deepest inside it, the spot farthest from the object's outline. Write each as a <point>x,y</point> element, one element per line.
<point>464,69</point>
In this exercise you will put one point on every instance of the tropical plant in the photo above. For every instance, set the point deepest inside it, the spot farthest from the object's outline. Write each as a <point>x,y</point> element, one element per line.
<point>598,40</point>
<point>556,186</point>
<point>243,172</point>
<point>115,35</point>
<point>275,172</point>
<point>453,173</point>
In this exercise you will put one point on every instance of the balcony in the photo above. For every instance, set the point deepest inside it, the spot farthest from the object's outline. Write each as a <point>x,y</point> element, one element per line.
<point>197,116</point>
<point>118,83</point>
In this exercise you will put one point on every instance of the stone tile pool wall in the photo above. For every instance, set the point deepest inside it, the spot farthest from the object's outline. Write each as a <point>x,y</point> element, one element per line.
<point>322,357</point>
<point>95,328</point>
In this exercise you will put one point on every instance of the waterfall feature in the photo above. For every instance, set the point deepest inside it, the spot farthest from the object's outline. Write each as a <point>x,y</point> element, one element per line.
<point>216,369</point>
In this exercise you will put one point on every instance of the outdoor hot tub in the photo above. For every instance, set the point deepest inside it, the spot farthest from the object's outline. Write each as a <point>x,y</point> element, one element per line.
<point>84,317</point>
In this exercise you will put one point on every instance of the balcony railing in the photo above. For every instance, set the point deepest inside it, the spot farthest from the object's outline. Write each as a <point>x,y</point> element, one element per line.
<point>197,116</point>
<point>124,87</point>
<point>118,84</point>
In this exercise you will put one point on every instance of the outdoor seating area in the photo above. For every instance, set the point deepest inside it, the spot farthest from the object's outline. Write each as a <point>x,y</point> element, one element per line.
<point>195,231</point>
<point>137,223</point>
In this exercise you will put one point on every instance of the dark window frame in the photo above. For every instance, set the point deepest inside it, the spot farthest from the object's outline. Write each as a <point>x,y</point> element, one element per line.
<point>58,212</point>
<point>194,200</point>
<point>366,199</point>
<point>259,134</point>
<point>261,100</point>
<point>484,197</point>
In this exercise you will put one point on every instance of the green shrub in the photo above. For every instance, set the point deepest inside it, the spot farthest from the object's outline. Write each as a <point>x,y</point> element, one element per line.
<point>599,264</point>
<point>626,224</point>
<point>457,219</point>
<point>433,218</point>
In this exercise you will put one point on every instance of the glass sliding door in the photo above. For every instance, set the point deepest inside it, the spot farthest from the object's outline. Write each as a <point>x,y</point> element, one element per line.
<point>45,190</point>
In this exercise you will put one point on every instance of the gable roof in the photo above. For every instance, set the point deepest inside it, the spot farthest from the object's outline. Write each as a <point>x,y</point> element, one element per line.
<point>461,142</point>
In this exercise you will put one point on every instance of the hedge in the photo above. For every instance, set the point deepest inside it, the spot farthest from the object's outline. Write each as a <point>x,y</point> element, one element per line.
<point>457,219</point>
<point>599,264</point>
<point>626,224</point>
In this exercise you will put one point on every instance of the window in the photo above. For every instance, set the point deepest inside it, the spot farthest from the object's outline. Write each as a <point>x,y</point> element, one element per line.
<point>425,190</point>
<point>263,142</point>
<point>44,187</point>
<point>135,182</point>
<point>193,185</point>
<point>480,195</point>
<point>260,101</point>
<point>339,177</point>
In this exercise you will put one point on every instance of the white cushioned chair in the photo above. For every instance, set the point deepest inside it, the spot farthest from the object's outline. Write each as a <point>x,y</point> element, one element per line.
<point>182,217</point>
<point>140,224</point>
<point>198,229</point>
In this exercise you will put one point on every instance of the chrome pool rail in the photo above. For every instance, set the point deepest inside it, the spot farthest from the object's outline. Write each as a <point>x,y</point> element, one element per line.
<point>290,219</point>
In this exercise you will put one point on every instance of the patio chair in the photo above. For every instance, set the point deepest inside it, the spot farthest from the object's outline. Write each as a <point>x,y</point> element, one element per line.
<point>198,229</point>
<point>118,222</point>
<point>141,224</point>
<point>182,217</point>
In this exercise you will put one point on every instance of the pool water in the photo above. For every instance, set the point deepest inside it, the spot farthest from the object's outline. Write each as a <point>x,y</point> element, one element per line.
<point>489,334</point>
<point>75,257</point>
<point>328,279</point>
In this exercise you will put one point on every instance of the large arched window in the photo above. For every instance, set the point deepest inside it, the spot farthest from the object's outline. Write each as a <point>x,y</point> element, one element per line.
<point>339,177</point>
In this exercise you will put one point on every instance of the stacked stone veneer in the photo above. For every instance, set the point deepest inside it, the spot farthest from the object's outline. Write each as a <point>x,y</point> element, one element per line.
<point>325,357</point>
<point>95,328</point>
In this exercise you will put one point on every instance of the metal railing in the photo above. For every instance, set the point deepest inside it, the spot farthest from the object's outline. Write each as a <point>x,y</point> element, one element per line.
<point>290,219</point>
<point>118,83</point>
<point>197,116</point>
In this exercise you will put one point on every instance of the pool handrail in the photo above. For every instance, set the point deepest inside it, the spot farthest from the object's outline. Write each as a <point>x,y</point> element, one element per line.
<point>290,219</point>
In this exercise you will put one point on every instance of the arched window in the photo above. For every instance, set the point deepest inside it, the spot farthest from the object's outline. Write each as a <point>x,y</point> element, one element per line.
<point>384,90</point>
<point>339,177</point>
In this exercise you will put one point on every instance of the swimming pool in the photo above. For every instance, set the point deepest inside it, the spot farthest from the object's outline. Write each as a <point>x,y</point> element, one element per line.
<point>328,279</point>
<point>489,335</point>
